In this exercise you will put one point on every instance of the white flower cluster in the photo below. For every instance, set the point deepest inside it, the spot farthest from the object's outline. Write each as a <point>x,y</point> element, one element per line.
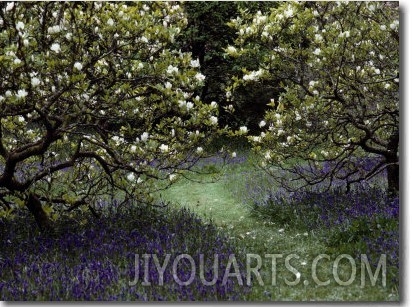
<point>35,81</point>
<point>21,94</point>
<point>187,105</point>
<point>172,70</point>
<point>54,29</point>
<point>200,77</point>
<point>55,47</point>
<point>19,26</point>
<point>231,50</point>
<point>344,34</point>
<point>164,148</point>
<point>144,137</point>
<point>243,129</point>
<point>259,18</point>
<point>253,75</point>
<point>394,25</point>
<point>78,66</point>
<point>195,63</point>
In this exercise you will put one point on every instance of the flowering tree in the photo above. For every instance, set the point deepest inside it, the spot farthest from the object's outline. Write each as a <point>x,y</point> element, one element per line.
<point>94,101</point>
<point>337,67</point>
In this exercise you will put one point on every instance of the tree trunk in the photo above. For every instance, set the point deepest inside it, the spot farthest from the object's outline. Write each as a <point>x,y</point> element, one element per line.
<point>393,179</point>
<point>393,164</point>
<point>34,205</point>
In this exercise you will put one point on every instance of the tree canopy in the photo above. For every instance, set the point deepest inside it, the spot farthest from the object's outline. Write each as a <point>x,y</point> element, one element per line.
<point>95,100</point>
<point>336,117</point>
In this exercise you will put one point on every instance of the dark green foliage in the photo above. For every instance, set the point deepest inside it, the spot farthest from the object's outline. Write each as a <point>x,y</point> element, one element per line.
<point>206,36</point>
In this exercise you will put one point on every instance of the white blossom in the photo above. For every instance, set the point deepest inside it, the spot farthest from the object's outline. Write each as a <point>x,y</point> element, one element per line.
<point>9,6</point>
<point>312,83</point>
<point>168,85</point>
<point>318,37</point>
<point>144,39</point>
<point>195,63</point>
<point>394,25</point>
<point>234,154</point>
<point>383,27</point>
<point>19,25</point>
<point>172,69</point>
<point>189,105</point>
<point>172,177</point>
<point>164,148</point>
<point>131,177</point>
<point>199,150</point>
<point>200,77</point>
<point>317,51</point>
<point>231,50</point>
<point>54,29</point>
<point>144,137</point>
<point>289,12</point>
<point>78,66</point>
<point>35,81</point>
<point>110,22</point>
<point>344,34</point>
<point>213,104</point>
<point>253,75</point>
<point>213,119</point>
<point>262,124</point>
<point>182,103</point>
<point>55,47</point>
<point>21,93</point>
<point>133,149</point>
<point>16,61</point>
<point>243,129</point>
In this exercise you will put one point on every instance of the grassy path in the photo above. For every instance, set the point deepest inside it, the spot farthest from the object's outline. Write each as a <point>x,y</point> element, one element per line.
<point>217,201</point>
<point>209,200</point>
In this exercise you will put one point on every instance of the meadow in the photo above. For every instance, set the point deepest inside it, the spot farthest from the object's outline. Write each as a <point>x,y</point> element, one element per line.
<point>246,239</point>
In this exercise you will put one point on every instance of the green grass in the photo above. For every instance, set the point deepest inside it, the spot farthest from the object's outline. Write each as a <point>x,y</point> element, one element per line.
<point>221,202</point>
